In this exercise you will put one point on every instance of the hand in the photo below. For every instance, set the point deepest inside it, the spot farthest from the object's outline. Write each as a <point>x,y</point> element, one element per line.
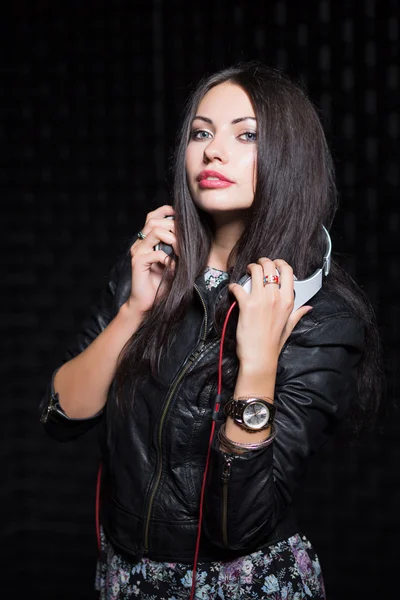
<point>148,265</point>
<point>265,315</point>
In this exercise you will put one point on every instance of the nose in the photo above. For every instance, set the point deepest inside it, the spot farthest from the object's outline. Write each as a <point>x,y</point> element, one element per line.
<point>216,151</point>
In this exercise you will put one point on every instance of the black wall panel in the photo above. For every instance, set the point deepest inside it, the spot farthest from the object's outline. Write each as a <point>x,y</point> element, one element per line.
<point>90,99</point>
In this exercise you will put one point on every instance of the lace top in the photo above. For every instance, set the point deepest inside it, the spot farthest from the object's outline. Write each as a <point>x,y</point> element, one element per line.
<point>213,277</point>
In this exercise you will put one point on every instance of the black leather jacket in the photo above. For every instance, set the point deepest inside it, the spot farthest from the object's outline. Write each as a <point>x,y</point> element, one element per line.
<point>153,465</point>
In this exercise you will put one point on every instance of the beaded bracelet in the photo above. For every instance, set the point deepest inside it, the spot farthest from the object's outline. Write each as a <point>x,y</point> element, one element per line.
<point>241,447</point>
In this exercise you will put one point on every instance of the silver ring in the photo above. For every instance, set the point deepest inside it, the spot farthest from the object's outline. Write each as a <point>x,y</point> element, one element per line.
<point>141,235</point>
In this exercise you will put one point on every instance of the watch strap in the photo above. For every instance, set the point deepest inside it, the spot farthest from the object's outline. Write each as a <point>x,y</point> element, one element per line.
<point>234,408</point>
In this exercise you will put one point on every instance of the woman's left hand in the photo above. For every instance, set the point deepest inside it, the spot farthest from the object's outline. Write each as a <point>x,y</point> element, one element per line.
<point>266,317</point>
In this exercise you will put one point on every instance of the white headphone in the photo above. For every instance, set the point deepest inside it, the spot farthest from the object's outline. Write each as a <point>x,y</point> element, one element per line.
<point>304,289</point>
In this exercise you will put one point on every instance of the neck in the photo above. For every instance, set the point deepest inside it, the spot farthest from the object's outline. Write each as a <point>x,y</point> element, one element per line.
<point>225,237</point>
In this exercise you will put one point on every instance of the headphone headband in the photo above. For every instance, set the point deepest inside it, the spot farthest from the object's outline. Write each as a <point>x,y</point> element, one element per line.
<point>304,289</point>
<point>327,257</point>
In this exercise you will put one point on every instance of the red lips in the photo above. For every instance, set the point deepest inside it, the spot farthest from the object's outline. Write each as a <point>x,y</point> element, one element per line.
<point>204,174</point>
<point>210,184</point>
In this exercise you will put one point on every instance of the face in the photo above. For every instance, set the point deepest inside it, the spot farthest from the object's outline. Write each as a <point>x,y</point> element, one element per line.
<point>222,152</point>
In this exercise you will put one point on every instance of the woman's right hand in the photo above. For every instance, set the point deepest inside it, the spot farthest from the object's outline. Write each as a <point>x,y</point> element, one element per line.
<point>148,265</point>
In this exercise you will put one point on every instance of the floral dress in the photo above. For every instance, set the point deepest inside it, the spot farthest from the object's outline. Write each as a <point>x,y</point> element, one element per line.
<point>287,570</point>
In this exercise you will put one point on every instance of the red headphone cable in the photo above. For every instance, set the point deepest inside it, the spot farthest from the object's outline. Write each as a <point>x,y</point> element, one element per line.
<point>214,418</point>
<point>98,486</point>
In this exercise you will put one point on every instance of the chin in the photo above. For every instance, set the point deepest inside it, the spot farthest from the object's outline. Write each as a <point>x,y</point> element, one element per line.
<point>219,203</point>
<point>224,215</point>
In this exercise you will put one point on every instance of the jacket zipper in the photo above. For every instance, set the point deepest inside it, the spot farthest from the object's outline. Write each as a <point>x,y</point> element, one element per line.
<point>52,404</point>
<point>203,339</point>
<point>226,473</point>
<point>49,408</point>
<point>177,381</point>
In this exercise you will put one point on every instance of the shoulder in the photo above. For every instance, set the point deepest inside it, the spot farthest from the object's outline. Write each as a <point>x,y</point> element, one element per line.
<point>331,321</point>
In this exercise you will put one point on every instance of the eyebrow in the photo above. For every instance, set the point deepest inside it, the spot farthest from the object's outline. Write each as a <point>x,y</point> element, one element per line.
<point>238,120</point>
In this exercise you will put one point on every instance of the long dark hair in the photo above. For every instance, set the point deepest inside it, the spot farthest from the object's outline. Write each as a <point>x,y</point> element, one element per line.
<point>295,194</point>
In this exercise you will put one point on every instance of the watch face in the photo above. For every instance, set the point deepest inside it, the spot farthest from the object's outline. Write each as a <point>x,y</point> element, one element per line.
<point>256,415</point>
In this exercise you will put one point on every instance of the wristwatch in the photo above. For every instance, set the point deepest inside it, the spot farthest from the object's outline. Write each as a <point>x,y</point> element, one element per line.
<point>252,414</point>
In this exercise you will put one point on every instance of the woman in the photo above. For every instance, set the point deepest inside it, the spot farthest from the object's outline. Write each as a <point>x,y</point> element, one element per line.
<point>253,188</point>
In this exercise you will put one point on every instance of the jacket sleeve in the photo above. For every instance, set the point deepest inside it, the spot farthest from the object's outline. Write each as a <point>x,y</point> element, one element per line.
<point>248,494</point>
<point>54,420</point>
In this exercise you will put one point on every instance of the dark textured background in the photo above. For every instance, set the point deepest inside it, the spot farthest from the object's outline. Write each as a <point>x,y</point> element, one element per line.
<point>90,98</point>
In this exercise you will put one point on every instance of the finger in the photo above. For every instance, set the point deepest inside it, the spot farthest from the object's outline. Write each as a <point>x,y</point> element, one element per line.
<point>295,318</point>
<point>154,223</point>
<point>169,262</point>
<point>286,279</point>
<point>149,258</point>
<point>238,292</point>
<point>269,268</point>
<point>154,237</point>
<point>257,275</point>
<point>161,212</point>
<point>267,264</point>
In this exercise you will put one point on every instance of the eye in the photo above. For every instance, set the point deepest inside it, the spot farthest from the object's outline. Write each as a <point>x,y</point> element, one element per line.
<point>248,136</point>
<point>200,134</point>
